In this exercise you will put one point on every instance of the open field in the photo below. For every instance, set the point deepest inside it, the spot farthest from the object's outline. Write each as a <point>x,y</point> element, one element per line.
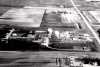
<point>36,59</point>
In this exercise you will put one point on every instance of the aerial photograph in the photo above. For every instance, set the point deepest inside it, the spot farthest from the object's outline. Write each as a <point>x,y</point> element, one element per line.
<point>49,33</point>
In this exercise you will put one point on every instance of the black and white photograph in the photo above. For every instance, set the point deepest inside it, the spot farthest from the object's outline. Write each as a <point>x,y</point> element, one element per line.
<point>49,33</point>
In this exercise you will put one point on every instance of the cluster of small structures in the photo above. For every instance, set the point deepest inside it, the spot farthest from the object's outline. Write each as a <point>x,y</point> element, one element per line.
<point>53,38</point>
<point>73,61</point>
<point>55,28</point>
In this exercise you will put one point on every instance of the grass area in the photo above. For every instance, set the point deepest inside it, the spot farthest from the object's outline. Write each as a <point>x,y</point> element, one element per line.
<point>33,2</point>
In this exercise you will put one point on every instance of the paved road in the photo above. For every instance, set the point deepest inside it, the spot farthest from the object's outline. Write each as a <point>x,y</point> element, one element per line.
<point>86,22</point>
